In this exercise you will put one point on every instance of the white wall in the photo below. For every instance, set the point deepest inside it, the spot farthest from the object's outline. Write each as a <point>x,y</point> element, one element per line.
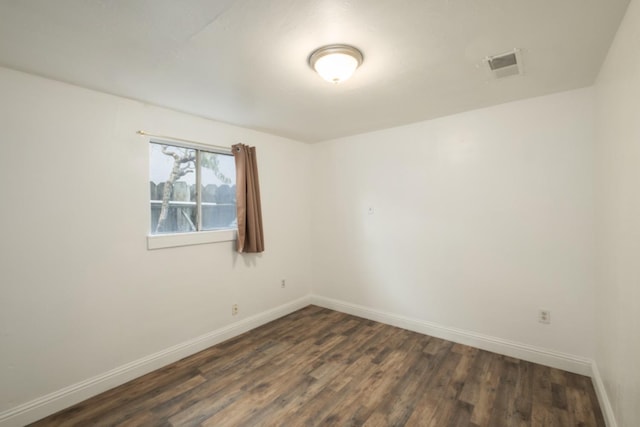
<point>479,220</point>
<point>618,180</point>
<point>80,293</point>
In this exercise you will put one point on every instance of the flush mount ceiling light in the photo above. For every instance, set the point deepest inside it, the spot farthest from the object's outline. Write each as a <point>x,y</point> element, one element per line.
<point>335,63</point>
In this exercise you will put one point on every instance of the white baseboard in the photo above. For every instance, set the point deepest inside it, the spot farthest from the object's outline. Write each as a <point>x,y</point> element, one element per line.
<point>554,359</point>
<point>603,397</point>
<point>63,398</point>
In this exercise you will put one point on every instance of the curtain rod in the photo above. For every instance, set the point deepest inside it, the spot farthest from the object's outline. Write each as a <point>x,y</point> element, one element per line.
<point>188,141</point>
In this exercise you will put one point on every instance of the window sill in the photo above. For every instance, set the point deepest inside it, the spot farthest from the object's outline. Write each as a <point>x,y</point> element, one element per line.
<point>161,241</point>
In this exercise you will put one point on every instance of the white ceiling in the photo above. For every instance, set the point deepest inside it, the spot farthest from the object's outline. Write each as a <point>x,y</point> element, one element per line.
<point>245,62</point>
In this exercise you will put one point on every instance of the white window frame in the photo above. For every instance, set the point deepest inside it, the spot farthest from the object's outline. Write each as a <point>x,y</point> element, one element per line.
<point>171,240</point>
<point>161,241</point>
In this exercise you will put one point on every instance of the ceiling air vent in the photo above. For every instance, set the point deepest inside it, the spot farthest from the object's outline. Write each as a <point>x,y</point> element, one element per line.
<point>505,64</point>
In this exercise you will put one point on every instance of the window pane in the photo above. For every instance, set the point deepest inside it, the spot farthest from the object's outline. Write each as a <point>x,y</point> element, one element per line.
<point>172,186</point>
<point>218,178</point>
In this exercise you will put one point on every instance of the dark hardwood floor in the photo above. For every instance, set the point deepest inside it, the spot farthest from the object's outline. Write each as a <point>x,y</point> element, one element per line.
<point>320,367</point>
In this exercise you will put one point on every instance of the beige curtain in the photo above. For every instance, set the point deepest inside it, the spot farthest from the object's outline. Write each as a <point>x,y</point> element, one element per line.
<point>250,237</point>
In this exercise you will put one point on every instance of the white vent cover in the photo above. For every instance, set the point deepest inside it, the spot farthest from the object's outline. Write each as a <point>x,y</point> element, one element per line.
<point>505,64</point>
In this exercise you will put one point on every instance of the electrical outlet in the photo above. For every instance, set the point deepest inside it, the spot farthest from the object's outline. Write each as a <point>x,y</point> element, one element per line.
<point>234,309</point>
<point>283,283</point>
<point>544,316</point>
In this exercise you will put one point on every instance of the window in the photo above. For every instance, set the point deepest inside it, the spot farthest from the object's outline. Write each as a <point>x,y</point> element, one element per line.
<point>191,190</point>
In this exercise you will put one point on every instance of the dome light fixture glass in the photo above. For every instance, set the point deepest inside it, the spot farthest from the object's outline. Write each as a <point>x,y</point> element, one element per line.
<point>335,63</point>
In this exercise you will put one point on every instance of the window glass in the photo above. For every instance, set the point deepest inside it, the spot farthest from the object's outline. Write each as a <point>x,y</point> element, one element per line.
<point>178,203</point>
<point>218,191</point>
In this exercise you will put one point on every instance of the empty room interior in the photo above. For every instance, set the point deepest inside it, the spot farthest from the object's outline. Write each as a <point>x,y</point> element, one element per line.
<point>320,212</point>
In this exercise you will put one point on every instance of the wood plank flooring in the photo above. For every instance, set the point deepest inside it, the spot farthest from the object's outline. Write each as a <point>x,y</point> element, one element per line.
<point>318,367</point>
